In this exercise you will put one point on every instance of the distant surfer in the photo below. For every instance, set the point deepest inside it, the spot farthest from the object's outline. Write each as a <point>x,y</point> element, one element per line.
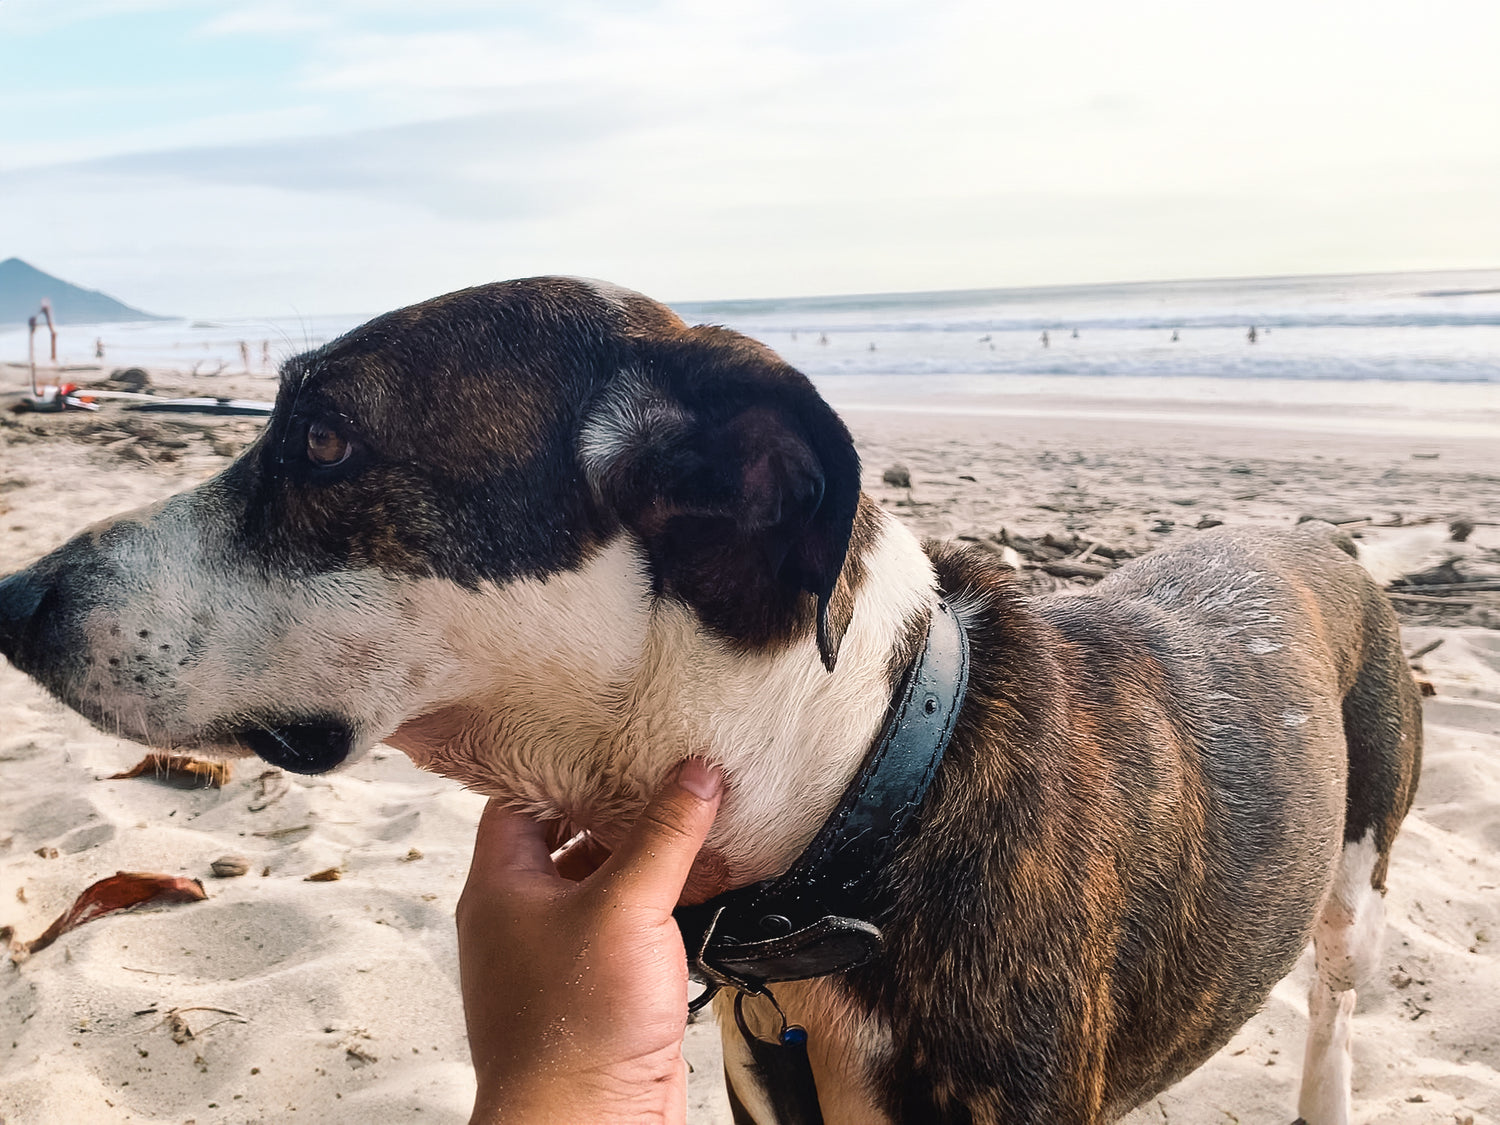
<point>245,356</point>
<point>1075,333</point>
<point>823,338</point>
<point>872,345</point>
<point>99,347</point>
<point>1251,334</point>
<point>1174,335</point>
<point>1046,341</point>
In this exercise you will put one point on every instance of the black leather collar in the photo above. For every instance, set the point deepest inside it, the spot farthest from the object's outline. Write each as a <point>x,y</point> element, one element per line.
<point>816,918</point>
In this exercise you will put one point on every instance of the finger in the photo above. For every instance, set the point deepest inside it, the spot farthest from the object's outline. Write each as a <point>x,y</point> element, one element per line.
<point>508,844</point>
<point>652,864</point>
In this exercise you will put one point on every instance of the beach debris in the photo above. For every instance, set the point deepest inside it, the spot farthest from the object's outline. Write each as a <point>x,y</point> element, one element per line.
<point>130,378</point>
<point>278,833</point>
<point>1444,574</point>
<point>1427,599</point>
<point>1464,577</point>
<point>1430,646</point>
<point>1338,519</point>
<point>897,476</point>
<point>327,875</point>
<point>177,1024</point>
<point>1010,558</point>
<point>412,855</point>
<point>1059,554</point>
<point>46,852</point>
<point>273,786</point>
<point>1207,522</point>
<point>1067,568</point>
<point>206,405</point>
<point>356,1055</point>
<point>179,770</point>
<point>121,891</point>
<point>230,866</point>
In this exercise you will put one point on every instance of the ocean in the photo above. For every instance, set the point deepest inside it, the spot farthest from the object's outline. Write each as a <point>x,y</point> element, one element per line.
<point>1394,342</point>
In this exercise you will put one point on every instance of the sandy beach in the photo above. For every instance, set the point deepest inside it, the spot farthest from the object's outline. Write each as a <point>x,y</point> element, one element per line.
<point>282,999</point>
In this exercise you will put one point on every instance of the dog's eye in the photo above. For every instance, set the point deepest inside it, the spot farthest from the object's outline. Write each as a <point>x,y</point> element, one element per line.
<point>326,446</point>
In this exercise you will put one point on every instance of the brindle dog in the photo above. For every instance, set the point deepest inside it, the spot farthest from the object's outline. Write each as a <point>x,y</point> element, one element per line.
<point>546,538</point>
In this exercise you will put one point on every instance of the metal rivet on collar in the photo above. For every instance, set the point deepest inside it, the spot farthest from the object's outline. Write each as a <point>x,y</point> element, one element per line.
<point>776,924</point>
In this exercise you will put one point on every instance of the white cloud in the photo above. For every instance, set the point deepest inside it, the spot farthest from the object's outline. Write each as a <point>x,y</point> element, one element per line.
<point>762,146</point>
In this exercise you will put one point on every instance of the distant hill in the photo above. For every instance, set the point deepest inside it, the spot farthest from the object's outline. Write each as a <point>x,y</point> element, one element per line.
<point>23,286</point>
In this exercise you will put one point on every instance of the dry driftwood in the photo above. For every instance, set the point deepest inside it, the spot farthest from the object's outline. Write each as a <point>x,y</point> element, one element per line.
<point>1479,586</point>
<point>1424,599</point>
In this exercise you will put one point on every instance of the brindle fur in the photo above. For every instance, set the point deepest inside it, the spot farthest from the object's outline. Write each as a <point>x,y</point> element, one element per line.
<point>1128,840</point>
<point>1145,798</point>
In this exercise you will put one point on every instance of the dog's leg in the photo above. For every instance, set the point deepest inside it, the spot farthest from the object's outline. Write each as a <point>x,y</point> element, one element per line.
<point>1346,942</point>
<point>1382,714</point>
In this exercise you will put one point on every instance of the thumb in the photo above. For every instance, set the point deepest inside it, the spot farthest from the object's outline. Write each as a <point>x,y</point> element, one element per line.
<point>652,864</point>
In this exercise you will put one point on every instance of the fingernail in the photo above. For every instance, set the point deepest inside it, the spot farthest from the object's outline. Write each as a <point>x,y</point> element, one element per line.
<point>700,779</point>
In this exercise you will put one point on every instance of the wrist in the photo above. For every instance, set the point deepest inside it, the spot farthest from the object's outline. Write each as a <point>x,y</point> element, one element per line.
<point>566,1099</point>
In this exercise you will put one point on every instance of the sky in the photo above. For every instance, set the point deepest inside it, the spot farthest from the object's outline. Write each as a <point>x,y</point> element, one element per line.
<point>276,157</point>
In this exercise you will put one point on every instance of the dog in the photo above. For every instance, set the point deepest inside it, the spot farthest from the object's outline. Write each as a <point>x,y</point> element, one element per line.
<point>546,539</point>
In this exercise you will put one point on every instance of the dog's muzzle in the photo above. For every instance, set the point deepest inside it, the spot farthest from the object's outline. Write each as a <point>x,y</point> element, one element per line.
<point>39,628</point>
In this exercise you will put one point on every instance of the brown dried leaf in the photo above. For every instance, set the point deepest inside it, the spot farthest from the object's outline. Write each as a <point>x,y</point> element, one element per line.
<point>120,891</point>
<point>179,770</point>
<point>327,875</point>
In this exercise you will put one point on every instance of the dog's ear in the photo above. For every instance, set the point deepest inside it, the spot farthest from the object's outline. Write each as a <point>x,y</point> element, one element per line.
<point>742,482</point>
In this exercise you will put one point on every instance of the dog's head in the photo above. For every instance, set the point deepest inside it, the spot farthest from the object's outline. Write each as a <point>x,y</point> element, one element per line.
<point>515,476</point>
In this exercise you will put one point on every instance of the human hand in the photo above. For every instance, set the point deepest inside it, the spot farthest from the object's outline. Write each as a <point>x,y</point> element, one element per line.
<point>575,993</point>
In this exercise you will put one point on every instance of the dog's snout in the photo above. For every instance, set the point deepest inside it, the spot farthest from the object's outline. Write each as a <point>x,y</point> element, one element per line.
<point>21,596</point>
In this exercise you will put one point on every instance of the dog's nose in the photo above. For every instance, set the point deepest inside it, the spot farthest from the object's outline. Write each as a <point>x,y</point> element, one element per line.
<point>21,596</point>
